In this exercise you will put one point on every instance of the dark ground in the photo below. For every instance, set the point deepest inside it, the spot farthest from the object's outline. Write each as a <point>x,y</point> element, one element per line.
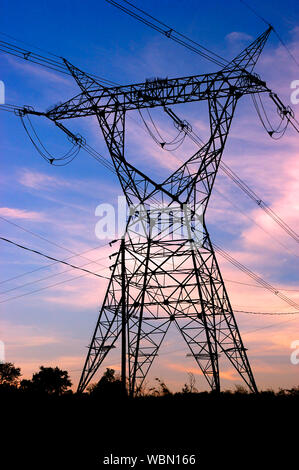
<point>226,431</point>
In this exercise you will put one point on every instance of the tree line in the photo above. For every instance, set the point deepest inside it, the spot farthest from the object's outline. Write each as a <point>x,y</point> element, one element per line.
<point>55,381</point>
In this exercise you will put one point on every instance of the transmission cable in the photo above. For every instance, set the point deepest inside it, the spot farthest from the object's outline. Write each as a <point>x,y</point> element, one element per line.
<point>177,141</point>
<point>171,33</point>
<point>224,167</point>
<point>254,276</point>
<point>51,264</point>
<point>44,288</point>
<point>70,155</point>
<point>57,66</point>
<point>53,275</point>
<point>50,257</point>
<point>266,313</point>
<point>47,240</point>
<point>275,31</point>
<point>53,258</point>
<point>286,299</point>
<point>272,132</point>
<point>248,191</point>
<point>259,287</point>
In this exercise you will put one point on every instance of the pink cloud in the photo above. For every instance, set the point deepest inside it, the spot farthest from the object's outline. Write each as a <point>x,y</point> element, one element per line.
<point>273,174</point>
<point>37,180</point>
<point>38,71</point>
<point>15,213</point>
<point>236,36</point>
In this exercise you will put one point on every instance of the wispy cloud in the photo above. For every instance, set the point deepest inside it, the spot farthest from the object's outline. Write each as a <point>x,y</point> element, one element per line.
<point>38,71</point>
<point>237,36</point>
<point>41,181</point>
<point>14,213</point>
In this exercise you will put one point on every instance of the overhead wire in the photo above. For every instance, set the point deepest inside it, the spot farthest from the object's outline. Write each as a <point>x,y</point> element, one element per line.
<point>176,141</point>
<point>266,313</point>
<point>274,29</point>
<point>52,275</point>
<point>110,2</point>
<point>53,64</point>
<point>49,265</point>
<point>259,287</point>
<point>267,326</point>
<point>28,44</point>
<point>70,155</point>
<point>247,190</point>
<point>217,248</point>
<point>46,239</point>
<point>42,288</point>
<point>170,33</point>
<point>245,214</point>
<point>255,13</point>
<point>254,276</point>
<point>223,166</point>
<point>254,197</point>
<point>23,247</point>
<point>272,132</point>
<point>286,47</point>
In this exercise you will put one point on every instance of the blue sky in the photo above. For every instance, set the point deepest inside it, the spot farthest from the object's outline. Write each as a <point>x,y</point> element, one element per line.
<point>53,326</point>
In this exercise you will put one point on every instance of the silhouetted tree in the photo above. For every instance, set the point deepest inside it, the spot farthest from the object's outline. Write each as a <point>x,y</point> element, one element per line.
<point>51,380</point>
<point>108,385</point>
<point>9,374</point>
<point>26,385</point>
<point>240,390</point>
<point>289,392</point>
<point>162,389</point>
<point>190,386</point>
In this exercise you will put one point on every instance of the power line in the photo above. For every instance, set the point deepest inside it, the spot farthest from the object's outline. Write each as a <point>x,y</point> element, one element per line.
<point>247,190</point>
<point>46,287</point>
<point>51,257</point>
<point>44,239</point>
<point>50,276</point>
<point>170,32</point>
<point>49,265</point>
<point>52,64</point>
<point>275,31</point>
<point>217,248</point>
<point>267,313</point>
<point>259,287</point>
<point>78,277</point>
<point>286,47</point>
<point>254,276</point>
<point>254,197</point>
<point>268,326</point>
<point>228,171</point>
<point>255,223</point>
<point>29,44</point>
<point>255,13</point>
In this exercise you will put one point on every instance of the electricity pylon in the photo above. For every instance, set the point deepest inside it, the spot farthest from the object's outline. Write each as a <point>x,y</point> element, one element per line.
<point>166,271</point>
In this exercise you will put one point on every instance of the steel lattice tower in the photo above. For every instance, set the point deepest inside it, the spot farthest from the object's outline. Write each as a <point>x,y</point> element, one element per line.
<point>158,279</point>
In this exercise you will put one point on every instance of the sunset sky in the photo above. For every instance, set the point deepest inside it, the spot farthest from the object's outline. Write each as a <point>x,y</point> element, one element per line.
<point>53,326</point>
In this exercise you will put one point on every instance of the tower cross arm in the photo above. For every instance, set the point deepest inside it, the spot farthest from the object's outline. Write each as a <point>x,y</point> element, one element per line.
<point>159,92</point>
